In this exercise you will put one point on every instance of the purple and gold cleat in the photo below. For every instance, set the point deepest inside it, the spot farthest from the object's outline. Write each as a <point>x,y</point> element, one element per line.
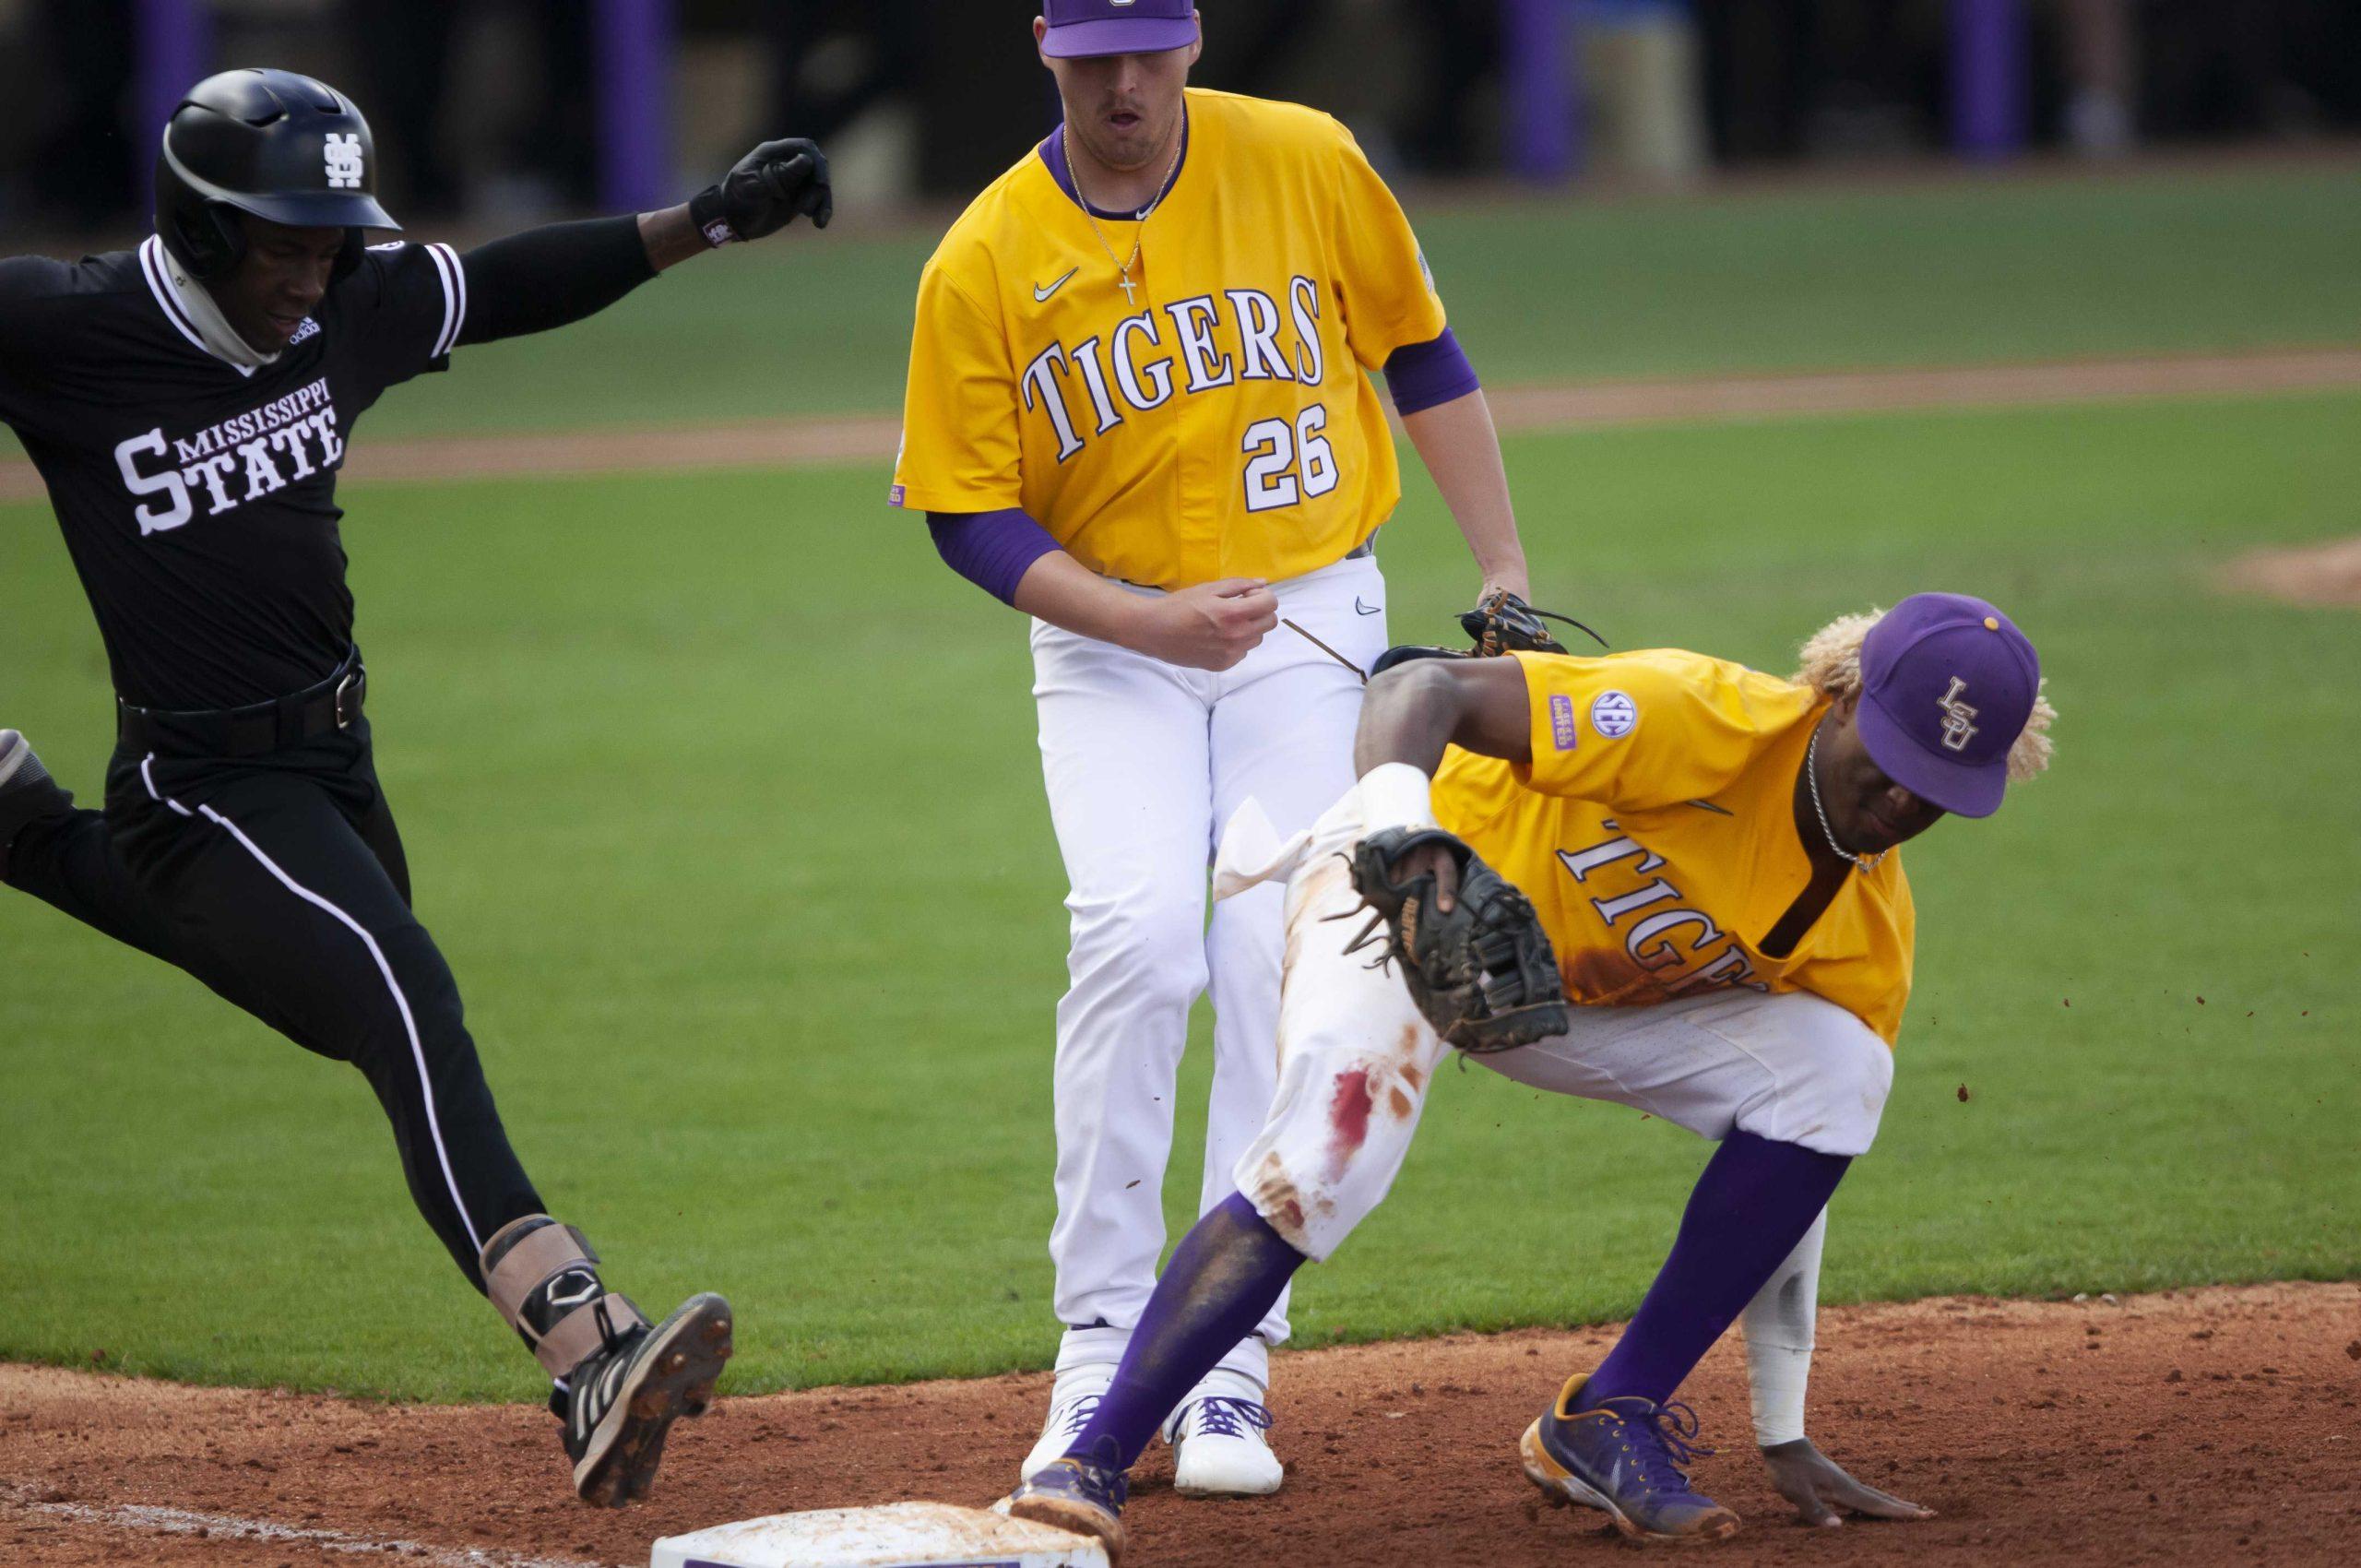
<point>1625,1457</point>
<point>1081,1495</point>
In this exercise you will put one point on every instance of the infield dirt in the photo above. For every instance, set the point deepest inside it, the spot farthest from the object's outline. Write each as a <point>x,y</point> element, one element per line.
<point>2313,574</point>
<point>2208,1426</point>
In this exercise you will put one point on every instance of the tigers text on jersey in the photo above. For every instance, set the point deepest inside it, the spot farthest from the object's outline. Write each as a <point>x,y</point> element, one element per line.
<point>198,496</point>
<point>1217,422</point>
<point>1655,830</point>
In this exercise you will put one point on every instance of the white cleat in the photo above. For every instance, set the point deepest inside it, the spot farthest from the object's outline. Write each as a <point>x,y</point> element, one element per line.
<point>1218,1441</point>
<point>1072,1404</point>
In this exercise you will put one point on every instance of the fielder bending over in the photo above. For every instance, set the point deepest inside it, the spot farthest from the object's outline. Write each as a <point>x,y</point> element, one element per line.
<point>1710,852</point>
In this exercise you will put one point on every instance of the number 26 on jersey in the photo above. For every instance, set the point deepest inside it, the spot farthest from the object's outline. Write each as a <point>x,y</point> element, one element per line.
<point>1287,463</point>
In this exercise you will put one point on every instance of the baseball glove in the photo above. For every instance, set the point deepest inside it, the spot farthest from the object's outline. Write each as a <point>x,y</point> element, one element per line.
<point>1482,972</point>
<point>1501,622</point>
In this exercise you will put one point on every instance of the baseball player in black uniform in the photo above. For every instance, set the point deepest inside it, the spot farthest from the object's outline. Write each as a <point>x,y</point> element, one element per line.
<point>187,404</point>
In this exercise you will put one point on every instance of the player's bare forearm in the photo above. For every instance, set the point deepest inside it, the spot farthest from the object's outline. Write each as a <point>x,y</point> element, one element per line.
<point>671,237</point>
<point>1062,590</point>
<point>1205,626</point>
<point>1415,711</point>
<point>1462,450</point>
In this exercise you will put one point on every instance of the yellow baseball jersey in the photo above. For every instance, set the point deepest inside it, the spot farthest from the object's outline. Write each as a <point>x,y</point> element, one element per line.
<point>1216,421</point>
<point>1655,831</point>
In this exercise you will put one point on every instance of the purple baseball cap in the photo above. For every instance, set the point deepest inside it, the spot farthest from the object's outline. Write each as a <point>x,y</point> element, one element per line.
<point>1946,685</point>
<point>1080,29</point>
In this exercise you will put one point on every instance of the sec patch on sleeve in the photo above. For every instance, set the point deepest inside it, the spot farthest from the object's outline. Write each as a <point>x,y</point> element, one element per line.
<point>1614,715</point>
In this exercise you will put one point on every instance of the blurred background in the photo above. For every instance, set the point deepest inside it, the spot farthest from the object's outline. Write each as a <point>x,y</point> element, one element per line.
<point>499,111</point>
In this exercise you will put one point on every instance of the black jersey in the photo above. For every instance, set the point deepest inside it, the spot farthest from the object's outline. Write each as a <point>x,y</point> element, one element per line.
<point>198,496</point>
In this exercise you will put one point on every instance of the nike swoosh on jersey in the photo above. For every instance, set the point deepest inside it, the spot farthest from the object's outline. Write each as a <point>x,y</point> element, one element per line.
<point>1361,609</point>
<point>1042,295</point>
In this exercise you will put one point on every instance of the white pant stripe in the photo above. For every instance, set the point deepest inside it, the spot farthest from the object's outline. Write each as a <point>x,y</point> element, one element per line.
<point>149,779</point>
<point>401,1002</point>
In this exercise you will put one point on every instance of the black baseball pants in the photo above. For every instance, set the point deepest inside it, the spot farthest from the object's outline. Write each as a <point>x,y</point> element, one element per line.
<point>279,882</point>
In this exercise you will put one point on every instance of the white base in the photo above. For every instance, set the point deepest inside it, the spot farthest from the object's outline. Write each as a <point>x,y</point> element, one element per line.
<point>901,1535</point>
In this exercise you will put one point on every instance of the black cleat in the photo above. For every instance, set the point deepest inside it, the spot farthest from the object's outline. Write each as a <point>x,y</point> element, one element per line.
<point>619,1404</point>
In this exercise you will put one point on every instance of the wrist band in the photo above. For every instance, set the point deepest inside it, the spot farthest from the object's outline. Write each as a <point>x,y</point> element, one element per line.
<point>1395,794</point>
<point>704,211</point>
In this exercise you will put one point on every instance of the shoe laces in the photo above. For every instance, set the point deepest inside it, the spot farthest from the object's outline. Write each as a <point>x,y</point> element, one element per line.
<point>1077,1415</point>
<point>1661,1439</point>
<point>1218,1415</point>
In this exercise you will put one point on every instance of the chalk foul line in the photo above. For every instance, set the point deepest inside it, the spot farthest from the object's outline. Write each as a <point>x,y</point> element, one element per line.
<point>155,1519</point>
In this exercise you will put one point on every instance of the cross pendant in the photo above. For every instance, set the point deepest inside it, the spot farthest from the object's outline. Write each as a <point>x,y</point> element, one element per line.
<point>1130,288</point>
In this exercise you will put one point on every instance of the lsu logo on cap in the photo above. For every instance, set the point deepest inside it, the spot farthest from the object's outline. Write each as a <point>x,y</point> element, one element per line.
<point>1561,721</point>
<point>1614,715</point>
<point>1959,720</point>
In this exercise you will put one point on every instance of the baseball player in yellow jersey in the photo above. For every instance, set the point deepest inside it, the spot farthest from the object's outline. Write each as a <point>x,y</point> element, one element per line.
<point>1138,412</point>
<point>1710,853</point>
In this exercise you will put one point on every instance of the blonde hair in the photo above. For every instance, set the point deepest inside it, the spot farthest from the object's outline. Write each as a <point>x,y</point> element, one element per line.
<point>1832,666</point>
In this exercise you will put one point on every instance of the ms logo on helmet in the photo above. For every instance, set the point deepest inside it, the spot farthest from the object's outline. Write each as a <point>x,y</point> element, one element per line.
<point>343,154</point>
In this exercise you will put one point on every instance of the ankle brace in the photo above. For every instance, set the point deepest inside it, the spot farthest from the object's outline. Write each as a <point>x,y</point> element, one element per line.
<point>544,1279</point>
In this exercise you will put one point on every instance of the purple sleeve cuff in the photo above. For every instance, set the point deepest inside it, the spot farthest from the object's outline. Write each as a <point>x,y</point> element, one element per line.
<point>1425,376</point>
<point>991,549</point>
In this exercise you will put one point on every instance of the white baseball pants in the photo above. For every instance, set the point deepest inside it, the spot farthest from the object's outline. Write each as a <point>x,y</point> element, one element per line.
<point>1356,1056</point>
<point>1144,760</point>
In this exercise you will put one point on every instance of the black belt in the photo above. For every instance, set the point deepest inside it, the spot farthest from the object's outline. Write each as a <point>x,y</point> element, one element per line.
<point>1361,552</point>
<point>332,705</point>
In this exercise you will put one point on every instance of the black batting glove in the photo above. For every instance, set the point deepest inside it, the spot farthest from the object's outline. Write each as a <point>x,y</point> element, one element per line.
<point>768,189</point>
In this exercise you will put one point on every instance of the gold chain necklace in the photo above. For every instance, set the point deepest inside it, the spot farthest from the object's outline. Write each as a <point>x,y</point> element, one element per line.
<point>1123,268</point>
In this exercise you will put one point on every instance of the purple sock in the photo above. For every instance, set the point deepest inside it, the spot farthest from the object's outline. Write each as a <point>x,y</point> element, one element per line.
<point>1222,1280</point>
<point>1752,1205</point>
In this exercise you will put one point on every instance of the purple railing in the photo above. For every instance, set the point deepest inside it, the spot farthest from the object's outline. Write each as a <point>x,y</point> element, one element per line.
<point>632,50</point>
<point>1988,74</point>
<point>174,40</point>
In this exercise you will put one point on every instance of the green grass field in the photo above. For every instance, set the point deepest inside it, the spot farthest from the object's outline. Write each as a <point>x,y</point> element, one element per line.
<point>760,926</point>
<point>1811,280</point>
<point>1958,272</point>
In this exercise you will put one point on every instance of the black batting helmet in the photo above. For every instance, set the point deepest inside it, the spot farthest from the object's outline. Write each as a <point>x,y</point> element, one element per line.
<point>282,147</point>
